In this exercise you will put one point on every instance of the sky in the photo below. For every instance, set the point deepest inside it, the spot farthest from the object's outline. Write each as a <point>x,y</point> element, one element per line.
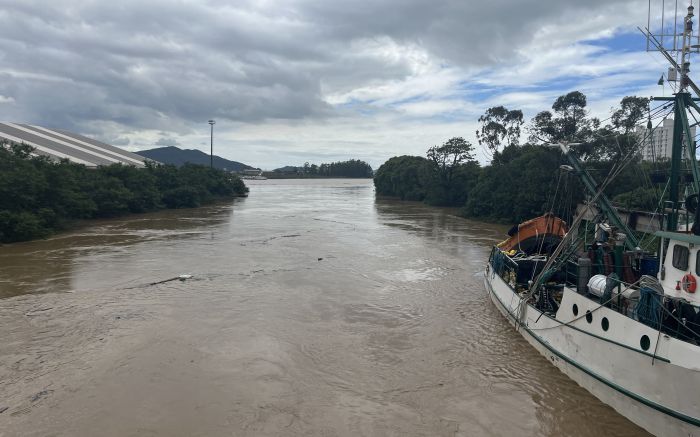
<point>294,81</point>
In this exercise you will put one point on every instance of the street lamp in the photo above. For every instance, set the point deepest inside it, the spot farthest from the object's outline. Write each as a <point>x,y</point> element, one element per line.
<point>211,155</point>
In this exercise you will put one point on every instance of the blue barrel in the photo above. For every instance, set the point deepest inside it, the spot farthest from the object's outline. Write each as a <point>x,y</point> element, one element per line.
<point>649,266</point>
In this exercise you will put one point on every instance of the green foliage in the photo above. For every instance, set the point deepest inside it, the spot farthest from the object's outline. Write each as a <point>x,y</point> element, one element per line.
<point>353,168</point>
<point>640,199</point>
<point>406,177</point>
<point>38,196</point>
<point>498,126</point>
<point>454,158</point>
<point>517,189</point>
<point>632,111</point>
<point>569,122</point>
<point>521,181</point>
<point>439,180</point>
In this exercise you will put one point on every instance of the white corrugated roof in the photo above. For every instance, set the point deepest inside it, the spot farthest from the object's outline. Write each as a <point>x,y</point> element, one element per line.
<point>60,144</point>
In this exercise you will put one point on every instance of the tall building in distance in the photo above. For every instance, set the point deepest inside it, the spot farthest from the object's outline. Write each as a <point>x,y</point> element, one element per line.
<point>658,145</point>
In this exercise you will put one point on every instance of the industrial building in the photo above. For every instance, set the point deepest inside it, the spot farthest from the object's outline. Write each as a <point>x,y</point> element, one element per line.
<point>60,144</point>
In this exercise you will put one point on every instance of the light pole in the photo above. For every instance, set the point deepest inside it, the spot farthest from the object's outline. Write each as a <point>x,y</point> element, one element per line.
<point>211,155</point>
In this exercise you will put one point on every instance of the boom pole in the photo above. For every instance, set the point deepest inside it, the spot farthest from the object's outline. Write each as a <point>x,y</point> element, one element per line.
<point>631,241</point>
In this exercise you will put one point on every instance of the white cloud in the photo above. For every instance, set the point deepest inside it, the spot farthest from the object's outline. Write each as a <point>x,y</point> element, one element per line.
<point>303,80</point>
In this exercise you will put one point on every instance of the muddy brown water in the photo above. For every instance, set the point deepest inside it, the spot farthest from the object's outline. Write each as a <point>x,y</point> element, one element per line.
<point>314,309</point>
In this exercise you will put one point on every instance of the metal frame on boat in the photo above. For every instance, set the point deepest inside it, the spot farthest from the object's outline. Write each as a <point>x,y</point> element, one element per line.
<point>622,322</point>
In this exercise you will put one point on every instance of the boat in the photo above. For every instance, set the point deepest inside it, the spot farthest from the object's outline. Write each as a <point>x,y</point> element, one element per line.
<point>622,322</point>
<point>254,174</point>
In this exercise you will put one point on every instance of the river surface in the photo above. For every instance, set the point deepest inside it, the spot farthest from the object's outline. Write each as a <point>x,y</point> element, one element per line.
<point>314,310</point>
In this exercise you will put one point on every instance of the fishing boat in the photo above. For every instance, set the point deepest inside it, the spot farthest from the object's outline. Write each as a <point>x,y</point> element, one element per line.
<point>621,321</point>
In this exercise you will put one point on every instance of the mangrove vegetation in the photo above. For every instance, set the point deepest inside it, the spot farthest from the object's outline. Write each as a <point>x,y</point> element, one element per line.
<point>39,196</point>
<point>525,180</point>
<point>352,168</point>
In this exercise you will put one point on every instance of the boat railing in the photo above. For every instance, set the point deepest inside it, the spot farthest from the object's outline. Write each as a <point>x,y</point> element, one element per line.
<point>503,266</point>
<point>644,303</point>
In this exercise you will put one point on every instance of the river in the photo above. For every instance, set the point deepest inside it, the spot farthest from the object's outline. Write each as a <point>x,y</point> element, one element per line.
<point>313,310</point>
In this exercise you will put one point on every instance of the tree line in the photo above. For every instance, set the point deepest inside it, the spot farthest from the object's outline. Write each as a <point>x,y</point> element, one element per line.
<point>353,168</point>
<point>39,196</point>
<point>521,180</point>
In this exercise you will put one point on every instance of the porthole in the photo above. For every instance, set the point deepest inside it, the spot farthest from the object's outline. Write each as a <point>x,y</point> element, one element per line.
<point>575,310</point>
<point>645,342</point>
<point>605,324</point>
<point>589,316</point>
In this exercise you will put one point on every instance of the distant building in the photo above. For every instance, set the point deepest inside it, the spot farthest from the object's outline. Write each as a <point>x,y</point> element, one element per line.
<point>659,144</point>
<point>251,172</point>
<point>59,144</point>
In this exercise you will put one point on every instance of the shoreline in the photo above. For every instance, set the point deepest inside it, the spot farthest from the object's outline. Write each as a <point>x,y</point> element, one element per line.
<point>76,224</point>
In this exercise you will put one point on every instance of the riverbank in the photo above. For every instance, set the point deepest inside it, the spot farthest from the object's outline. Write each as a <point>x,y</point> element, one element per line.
<point>39,197</point>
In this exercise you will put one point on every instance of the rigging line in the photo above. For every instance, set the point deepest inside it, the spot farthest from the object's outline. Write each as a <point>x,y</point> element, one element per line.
<point>659,207</point>
<point>663,307</point>
<point>553,257</point>
<point>696,122</point>
<point>653,113</point>
<point>640,141</point>
<point>556,191</point>
<point>652,117</point>
<point>569,236</point>
<point>651,110</point>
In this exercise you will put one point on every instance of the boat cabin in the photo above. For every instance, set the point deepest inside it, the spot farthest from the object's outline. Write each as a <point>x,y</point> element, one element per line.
<point>680,272</point>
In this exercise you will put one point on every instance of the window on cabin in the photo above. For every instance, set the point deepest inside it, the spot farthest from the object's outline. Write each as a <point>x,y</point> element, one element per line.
<point>680,257</point>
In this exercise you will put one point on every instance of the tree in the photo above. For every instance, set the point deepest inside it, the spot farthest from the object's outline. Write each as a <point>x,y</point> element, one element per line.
<point>518,188</point>
<point>452,153</point>
<point>446,162</point>
<point>498,126</point>
<point>571,109</point>
<point>569,122</point>
<point>619,138</point>
<point>631,112</point>
<point>406,177</point>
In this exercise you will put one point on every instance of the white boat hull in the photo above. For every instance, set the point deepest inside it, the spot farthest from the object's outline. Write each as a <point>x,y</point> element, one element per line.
<point>647,387</point>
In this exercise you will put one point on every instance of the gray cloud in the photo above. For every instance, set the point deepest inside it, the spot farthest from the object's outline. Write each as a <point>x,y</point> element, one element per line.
<point>119,68</point>
<point>167,141</point>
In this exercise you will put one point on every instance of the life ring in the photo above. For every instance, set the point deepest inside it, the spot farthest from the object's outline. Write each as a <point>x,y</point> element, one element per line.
<point>688,283</point>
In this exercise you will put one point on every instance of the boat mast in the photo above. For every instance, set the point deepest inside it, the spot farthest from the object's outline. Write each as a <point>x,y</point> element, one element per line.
<point>682,100</point>
<point>601,199</point>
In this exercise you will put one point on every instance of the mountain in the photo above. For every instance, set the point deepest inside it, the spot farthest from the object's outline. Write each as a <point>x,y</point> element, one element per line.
<point>177,156</point>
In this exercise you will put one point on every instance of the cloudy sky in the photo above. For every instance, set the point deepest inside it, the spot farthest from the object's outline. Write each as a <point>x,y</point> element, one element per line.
<point>290,81</point>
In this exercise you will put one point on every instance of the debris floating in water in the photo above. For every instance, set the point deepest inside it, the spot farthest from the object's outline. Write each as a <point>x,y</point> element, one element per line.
<point>36,312</point>
<point>182,277</point>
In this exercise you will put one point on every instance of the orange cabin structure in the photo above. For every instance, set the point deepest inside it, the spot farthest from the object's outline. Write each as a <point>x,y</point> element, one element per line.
<point>537,235</point>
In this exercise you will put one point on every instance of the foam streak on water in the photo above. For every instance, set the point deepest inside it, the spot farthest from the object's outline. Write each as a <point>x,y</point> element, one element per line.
<point>314,310</point>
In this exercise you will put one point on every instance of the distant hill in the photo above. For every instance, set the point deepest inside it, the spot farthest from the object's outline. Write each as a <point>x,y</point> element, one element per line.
<point>177,156</point>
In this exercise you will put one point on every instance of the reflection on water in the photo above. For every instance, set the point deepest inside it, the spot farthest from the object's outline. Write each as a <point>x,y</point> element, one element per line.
<point>314,310</point>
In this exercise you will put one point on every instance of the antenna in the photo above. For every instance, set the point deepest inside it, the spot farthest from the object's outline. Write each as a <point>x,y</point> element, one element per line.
<point>674,40</point>
<point>668,25</point>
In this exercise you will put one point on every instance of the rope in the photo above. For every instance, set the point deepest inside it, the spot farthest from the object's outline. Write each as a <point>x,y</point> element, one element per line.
<point>650,293</point>
<point>601,305</point>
